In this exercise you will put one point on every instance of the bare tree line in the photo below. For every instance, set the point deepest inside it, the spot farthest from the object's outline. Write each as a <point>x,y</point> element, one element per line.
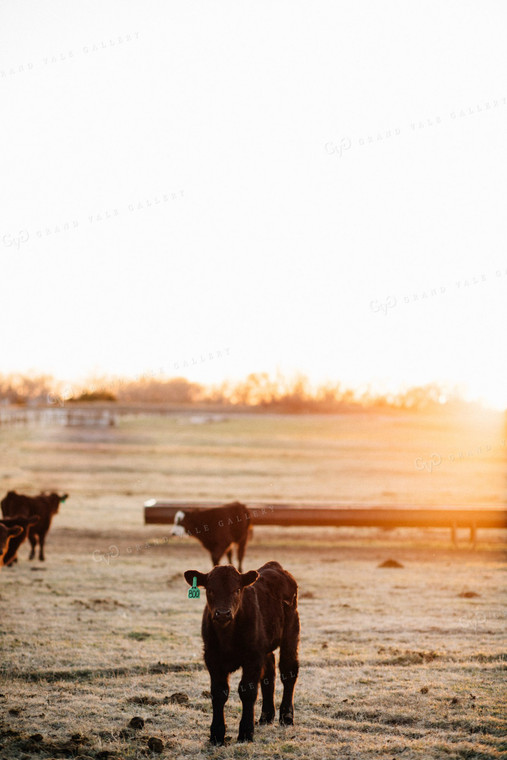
<point>258,391</point>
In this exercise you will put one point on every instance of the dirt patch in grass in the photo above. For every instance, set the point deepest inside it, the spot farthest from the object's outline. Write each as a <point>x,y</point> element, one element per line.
<point>390,563</point>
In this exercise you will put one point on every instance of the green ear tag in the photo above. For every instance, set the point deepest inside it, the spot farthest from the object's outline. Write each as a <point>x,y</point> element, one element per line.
<point>194,593</point>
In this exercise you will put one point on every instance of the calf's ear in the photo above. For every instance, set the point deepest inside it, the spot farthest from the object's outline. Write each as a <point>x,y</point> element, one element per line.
<point>202,578</point>
<point>16,530</point>
<point>248,578</point>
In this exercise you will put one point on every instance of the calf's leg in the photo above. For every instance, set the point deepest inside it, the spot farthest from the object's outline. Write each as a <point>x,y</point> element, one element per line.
<point>33,543</point>
<point>216,554</point>
<point>219,696</point>
<point>248,687</point>
<point>241,552</point>
<point>289,665</point>
<point>268,690</point>
<point>42,537</point>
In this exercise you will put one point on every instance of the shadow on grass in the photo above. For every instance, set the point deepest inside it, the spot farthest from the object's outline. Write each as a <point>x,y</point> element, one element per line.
<point>89,674</point>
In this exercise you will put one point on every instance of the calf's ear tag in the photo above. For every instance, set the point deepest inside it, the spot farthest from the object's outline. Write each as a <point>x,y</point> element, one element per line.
<point>194,593</point>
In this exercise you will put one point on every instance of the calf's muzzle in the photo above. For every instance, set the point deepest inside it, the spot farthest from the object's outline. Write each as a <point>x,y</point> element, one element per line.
<point>222,616</point>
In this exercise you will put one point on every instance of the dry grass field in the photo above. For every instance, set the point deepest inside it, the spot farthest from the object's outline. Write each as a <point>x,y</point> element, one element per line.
<point>402,662</point>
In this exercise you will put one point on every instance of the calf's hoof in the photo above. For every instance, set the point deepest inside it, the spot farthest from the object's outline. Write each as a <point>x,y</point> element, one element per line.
<point>217,734</point>
<point>287,718</point>
<point>245,736</point>
<point>266,718</point>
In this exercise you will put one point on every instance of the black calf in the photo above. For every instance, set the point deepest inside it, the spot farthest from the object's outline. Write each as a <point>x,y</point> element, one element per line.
<point>247,616</point>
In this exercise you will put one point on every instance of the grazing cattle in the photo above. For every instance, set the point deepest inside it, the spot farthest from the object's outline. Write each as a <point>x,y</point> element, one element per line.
<point>45,505</point>
<point>6,536</point>
<point>217,529</point>
<point>246,617</point>
<point>25,523</point>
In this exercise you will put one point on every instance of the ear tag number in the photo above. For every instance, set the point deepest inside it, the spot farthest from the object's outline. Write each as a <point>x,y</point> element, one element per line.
<point>194,593</point>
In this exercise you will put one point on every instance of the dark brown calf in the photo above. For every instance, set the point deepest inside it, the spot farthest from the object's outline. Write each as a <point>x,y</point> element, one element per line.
<point>246,617</point>
<point>45,505</point>
<point>6,536</point>
<point>25,523</point>
<point>217,529</point>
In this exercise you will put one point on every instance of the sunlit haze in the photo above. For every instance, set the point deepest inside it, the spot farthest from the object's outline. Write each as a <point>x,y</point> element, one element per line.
<point>213,190</point>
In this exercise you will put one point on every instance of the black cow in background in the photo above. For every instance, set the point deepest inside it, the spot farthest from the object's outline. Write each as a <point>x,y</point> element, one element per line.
<point>45,506</point>
<point>25,523</point>
<point>246,617</point>
<point>217,529</point>
<point>7,534</point>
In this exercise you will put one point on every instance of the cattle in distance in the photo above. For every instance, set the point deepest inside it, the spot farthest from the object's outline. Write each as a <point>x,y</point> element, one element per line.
<point>25,523</point>
<point>44,506</point>
<point>218,529</point>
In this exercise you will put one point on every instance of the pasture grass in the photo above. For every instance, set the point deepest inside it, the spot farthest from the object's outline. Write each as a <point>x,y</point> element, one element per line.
<point>395,662</point>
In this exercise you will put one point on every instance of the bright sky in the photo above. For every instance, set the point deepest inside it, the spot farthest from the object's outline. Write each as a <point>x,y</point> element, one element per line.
<point>315,187</point>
